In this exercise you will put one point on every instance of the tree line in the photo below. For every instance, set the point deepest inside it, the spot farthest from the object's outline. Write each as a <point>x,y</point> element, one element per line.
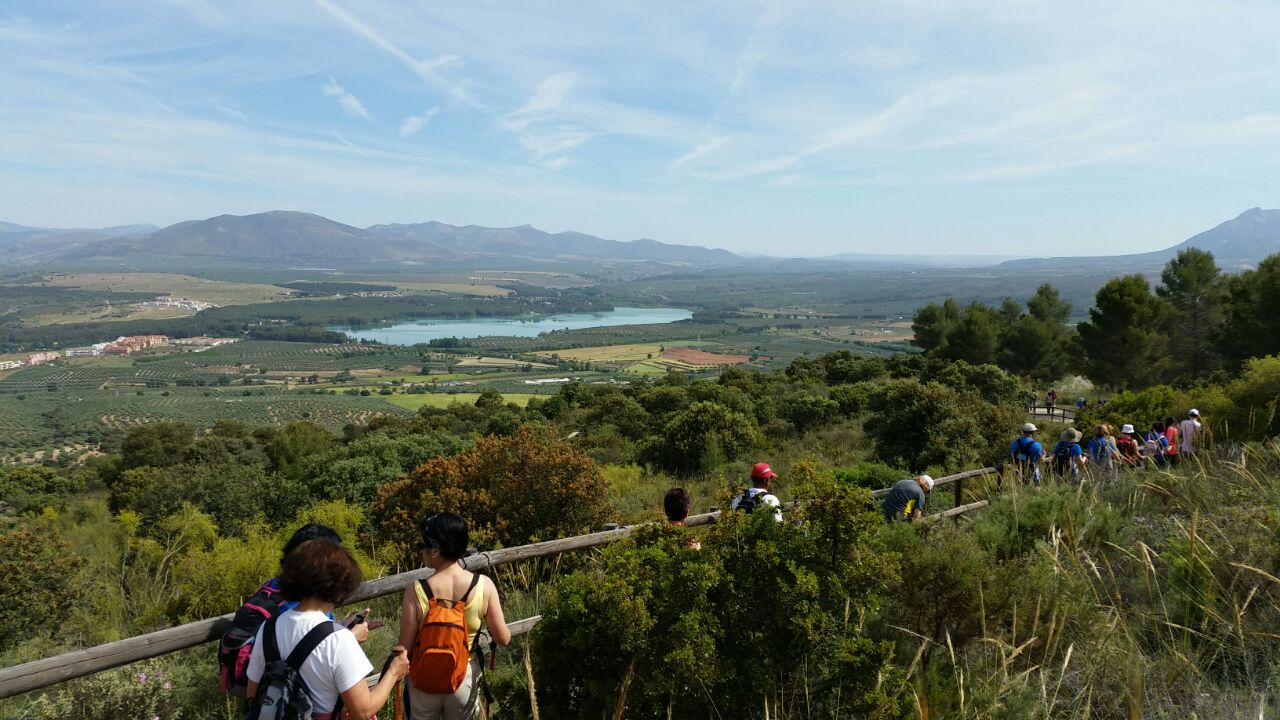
<point>1196,325</point>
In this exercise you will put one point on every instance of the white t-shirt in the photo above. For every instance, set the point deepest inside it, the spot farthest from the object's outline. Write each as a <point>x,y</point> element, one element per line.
<point>334,667</point>
<point>1187,434</point>
<point>769,499</point>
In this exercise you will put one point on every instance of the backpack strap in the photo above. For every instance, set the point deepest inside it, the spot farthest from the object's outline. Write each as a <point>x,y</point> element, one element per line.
<point>475,580</point>
<point>308,644</point>
<point>270,647</point>
<point>426,587</point>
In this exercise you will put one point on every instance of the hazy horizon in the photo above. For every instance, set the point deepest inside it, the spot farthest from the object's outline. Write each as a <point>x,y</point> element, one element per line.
<point>992,128</point>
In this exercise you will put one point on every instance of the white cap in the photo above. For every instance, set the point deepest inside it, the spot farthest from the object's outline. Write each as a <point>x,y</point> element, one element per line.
<point>1193,412</point>
<point>1126,429</point>
<point>1029,427</point>
<point>927,480</point>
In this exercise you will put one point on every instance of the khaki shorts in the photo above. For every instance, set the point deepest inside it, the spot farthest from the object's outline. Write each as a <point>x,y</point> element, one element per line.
<point>462,704</point>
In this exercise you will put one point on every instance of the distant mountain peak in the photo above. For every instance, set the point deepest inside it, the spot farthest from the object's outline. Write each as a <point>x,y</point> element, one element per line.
<point>1240,242</point>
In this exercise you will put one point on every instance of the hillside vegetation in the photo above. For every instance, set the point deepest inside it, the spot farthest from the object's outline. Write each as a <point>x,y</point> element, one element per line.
<point>1146,592</point>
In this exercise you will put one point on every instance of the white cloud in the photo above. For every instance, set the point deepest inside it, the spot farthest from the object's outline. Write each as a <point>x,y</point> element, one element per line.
<point>533,123</point>
<point>701,150</point>
<point>350,103</point>
<point>547,98</point>
<point>415,123</point>
<point>423,69</point>
<point>231,113</point>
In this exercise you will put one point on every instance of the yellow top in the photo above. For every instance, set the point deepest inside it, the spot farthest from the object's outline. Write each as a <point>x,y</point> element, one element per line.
<point>474,613</point>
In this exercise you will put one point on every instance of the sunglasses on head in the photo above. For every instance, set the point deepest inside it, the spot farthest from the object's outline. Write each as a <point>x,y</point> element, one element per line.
<point>428,527</point>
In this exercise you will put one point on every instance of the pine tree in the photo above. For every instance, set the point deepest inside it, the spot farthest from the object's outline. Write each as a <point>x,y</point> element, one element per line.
<point>1122,345</point>
<point>1192,286</point>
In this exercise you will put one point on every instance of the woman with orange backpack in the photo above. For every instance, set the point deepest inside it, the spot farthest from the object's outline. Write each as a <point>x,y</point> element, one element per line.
<point>440,621</point>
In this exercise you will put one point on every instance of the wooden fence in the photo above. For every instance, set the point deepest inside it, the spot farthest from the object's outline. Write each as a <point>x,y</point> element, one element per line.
<point>1065,414</point>
<point>51,671</point>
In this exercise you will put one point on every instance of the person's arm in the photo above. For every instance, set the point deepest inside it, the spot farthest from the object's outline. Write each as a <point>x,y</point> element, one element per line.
<point>410,616</point>
<point>916,514</point>
<point>493,617</point>
<point>362,703</point>
<point>257,665</point>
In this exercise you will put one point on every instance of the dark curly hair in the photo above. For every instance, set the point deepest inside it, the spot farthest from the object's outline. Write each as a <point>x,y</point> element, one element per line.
<point>446,532</point>
<point>320,569</point>
<point>310,531</point>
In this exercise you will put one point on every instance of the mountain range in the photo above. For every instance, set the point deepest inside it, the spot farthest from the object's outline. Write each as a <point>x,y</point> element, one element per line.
<point>286,238</point>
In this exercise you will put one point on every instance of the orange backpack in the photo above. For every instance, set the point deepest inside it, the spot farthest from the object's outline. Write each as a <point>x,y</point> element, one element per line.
<point>439,659</point>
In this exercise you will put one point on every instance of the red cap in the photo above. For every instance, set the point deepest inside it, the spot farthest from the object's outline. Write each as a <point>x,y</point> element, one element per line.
<point>762,471</point>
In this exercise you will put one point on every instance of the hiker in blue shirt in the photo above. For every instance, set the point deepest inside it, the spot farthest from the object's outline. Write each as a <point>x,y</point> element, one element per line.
<point>1068,456</point>
<point>1027,453</point>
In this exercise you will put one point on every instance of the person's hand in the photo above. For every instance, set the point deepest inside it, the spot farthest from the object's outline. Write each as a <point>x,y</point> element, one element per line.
<point>361,631</point>
<point>399,666</point>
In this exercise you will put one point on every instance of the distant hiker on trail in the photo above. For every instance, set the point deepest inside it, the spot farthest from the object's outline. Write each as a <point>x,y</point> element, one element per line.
<point>1081,404</point>
<point>759,493</point>
<point>1171,453</point>
<point>1068,456</point>
<point>236,645</point>
<point>1027,454</point>
<point>305,659</point>
<point>1031,401</point>
<point>1155,444</point>
<point>675,504</point>
<point>1050,400</point>
<point>1102,448</point>
<point>1127,445</point>
<point>1190,429</point>
<point>440,619</point>
<point>906,499</point>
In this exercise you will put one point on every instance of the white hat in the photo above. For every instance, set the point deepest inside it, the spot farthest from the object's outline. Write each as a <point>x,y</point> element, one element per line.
<point>927,480</point>
<point>1193,412</point>
<point>1126,429</point>
<point>1029,427</point>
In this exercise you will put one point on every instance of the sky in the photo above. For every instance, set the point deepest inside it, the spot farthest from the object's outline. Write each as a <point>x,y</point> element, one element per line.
<point>1008,127</point>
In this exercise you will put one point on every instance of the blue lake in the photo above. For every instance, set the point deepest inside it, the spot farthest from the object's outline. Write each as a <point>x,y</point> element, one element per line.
<point>421,331</point>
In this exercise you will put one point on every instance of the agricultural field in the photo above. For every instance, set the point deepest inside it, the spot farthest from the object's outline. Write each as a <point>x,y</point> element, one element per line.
<point>48,420</point>
<point>444,400</point>
<point>479,361</point>
<point>479,289</point>
<point>212,291</point>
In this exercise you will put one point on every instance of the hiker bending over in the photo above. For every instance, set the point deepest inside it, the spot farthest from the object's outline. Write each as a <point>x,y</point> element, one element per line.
<point>759,493</point>
<point>675,504</point>
<point>906,498</point>
<point>440,621</point>
<point>322,654</point>
<point>1027,454</point>
<point>237,643</point>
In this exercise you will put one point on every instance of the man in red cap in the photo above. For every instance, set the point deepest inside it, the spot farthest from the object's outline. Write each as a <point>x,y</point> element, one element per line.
<point>758,494</point>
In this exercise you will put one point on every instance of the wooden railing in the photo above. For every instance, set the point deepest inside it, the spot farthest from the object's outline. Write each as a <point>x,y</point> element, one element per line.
<point>1065,414</point>
<point>61,668</point>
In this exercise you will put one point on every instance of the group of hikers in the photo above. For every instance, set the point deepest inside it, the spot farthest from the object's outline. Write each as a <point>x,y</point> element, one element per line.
<point>1167,443</point>
<point>287,656</point>
<point>1051,402</point>
<point>904,501</point>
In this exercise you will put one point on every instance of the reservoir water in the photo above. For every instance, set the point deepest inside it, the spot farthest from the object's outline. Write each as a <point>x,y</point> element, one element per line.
<point>421,331</point>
